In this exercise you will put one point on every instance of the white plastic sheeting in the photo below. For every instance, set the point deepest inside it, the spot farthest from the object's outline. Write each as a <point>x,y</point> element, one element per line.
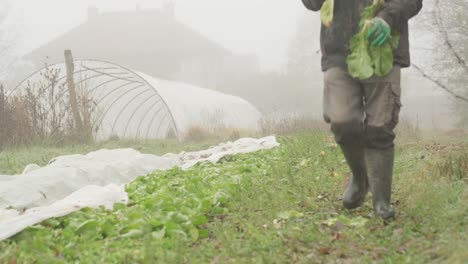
<point>130,104</point>
<point>70,183</point>
<point>13,221</point>
<point>194,106</point>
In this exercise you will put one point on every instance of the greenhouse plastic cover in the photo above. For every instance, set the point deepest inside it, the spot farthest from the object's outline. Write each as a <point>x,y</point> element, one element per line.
<point>69,183</point>
<point>131,104</point>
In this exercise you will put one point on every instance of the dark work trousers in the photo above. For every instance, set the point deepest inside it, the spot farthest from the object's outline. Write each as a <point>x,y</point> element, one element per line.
<point>364,112</point>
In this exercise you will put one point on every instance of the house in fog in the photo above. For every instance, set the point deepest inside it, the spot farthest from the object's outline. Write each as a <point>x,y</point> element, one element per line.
<point>152,41</point>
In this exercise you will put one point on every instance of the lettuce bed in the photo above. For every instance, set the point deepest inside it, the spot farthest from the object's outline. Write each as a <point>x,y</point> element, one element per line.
<point>169,205</point>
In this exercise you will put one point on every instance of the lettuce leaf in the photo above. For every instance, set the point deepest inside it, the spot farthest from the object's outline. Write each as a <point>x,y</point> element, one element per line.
<point>382,58</point>
<point>359,62</point>
<point>326,12</point>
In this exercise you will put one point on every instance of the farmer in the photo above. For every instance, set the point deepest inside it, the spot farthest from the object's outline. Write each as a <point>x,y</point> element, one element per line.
<point>363,114</point>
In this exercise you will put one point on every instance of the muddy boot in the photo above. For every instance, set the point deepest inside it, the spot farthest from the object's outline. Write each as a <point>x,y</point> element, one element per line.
<point>358,184</point>
<point>379,164</point>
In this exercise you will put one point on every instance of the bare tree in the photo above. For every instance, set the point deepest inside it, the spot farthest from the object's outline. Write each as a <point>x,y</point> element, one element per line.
<point>448,67</point>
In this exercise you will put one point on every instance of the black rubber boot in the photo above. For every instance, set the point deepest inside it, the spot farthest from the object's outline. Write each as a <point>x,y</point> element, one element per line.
<point>379,164</point>
<point>358,185</point>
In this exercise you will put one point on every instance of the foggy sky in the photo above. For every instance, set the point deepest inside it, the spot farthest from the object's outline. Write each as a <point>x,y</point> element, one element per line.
<point>261,27</point>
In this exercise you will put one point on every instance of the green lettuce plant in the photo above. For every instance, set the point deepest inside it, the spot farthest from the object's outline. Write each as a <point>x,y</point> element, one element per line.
<point>365,60</point>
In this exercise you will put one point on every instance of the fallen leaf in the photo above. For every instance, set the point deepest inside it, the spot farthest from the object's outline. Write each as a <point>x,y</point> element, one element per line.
<point>324,251</point>
<point>12,260</point>
<point>336,236</point>
<point>290,215</point>
<point>339,225</point>
<point>276,224</point>
<point>375,228</point>
<point>215,260</point>
<point>312,256</point>
<point>397,232</point>
<point>342,221</point>
<point>330,222</point>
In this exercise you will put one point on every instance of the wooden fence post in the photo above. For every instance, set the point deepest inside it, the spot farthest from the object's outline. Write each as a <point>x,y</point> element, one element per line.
<point>72,92</point>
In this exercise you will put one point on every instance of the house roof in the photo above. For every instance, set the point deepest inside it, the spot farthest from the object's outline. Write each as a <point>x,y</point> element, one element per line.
<point>130,35</point>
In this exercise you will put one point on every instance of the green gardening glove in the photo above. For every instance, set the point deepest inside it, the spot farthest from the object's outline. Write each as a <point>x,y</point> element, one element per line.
<point>379,32</point>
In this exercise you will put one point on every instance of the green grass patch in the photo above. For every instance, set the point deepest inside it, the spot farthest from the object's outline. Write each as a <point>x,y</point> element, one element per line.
<point>276,206</point>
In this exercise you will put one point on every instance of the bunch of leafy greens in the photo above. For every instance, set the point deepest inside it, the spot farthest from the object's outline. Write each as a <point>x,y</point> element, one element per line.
<point>365,60</point>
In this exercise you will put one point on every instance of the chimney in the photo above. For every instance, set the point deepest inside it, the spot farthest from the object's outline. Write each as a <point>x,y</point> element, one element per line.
<point>93,12</point>
<point>169,8</point>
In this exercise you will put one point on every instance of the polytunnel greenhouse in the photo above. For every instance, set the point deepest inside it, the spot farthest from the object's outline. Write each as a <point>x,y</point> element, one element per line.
<point>131,104</point>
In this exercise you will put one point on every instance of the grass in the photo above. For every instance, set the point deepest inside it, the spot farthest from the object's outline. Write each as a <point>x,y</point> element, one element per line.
<point>276,206</point>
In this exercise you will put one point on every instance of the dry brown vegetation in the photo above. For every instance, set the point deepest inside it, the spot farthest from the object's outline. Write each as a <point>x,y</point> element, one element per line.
<point>269,125</point>
<point>41,113</point>
<point>290,124</point>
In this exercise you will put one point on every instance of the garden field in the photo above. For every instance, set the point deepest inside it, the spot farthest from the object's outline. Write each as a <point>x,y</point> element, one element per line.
<point>276,206</point>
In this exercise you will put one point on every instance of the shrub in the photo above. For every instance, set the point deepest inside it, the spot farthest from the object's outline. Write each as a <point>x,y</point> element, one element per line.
<point>41,112</point>
<point>454,165</point>
<point>197,133</point>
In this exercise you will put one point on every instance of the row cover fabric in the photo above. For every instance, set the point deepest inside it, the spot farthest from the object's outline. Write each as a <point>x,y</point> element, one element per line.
<point>69,183</point>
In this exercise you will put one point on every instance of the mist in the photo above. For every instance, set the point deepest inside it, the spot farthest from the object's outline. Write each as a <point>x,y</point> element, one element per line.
<point>266,52</point>
<point>258,27</point>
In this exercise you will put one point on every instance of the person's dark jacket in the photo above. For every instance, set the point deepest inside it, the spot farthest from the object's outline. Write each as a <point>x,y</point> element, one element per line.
<point>334,41</point>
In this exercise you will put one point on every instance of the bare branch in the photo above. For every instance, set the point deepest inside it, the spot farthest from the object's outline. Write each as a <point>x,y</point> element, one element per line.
<point>439,84</point>
<point>443,31</point>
